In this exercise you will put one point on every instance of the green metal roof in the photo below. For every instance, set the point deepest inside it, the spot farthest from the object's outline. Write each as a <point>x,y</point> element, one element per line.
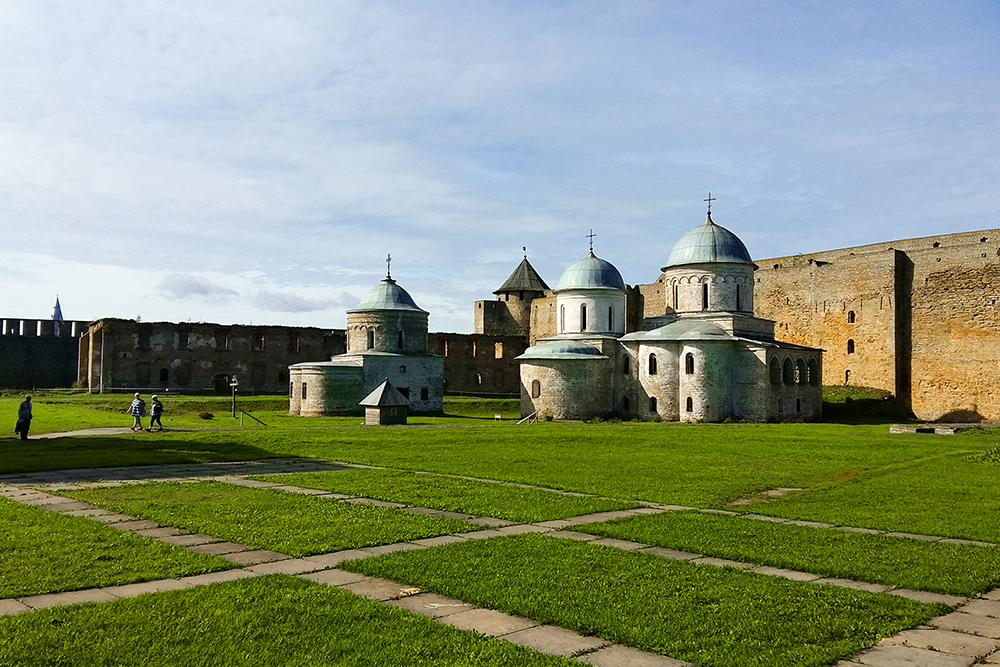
<point>387,296</point>
<point>524,278</point>
<point>708,243</point>
<point>560,349</point>
<point>591,272</point>
<point>681,330</point>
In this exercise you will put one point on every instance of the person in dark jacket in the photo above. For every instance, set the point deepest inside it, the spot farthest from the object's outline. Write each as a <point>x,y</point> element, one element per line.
<point>24,418</point>
<point>155,410</point>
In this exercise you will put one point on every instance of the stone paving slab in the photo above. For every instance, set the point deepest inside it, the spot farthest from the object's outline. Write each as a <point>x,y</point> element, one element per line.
<point>480,534</point>
<point>991,595</point>
<point>215,577</point>
<point>573,535</point>
<point>134,590</point>
<point>617,655</point>
<point>854,529</point>
<point>857,585</point>
<point>793,575</point>
<point>521,528</point>
<point>69,597</point>
<point>599,516</point>
<point>619,544</point>
<point>722,562</point>
<point>953,540</point>
<point>554,640</point>
<point>254,557</point>
<point>763,517</point>
<point>189,540</point>
<point>334,558</point>
<point>885,655</point>
<point>809,524</point>
<point>423,510</point>
<point>11,607</point>
<point>376,589</point>
<point>334,577</point>
<point>925,596</point>
<point>913,536</point>
<point>672,554</point>
<point>976,625</point>
<point>392,548</point>
<point>488,622</point>
<point>983,608</point>
<point>437,541</point>
<point>218,548</point>
<point>135,525</point>
<point>287,566</point>
<point>97,511</point>
<point>555,524</point>
<point>112,518</point>
<point>72,506</point>
<point>162,531</point>
<point>374,503</point>
<point>431,605</point>
<point>646,510</point>
<point>490,521</point>
<point>302,490</point>
<point>944,641</point>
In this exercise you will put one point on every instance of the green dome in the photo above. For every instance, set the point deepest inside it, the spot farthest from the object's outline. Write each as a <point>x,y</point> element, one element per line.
<point>708,243</point>
<point>591,272</point>
<point>561,349</point>
<point>387,296</point>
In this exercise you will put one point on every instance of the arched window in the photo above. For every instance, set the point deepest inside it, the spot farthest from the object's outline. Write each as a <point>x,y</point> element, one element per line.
<point>775,371</point>
<point>611,318</point>
<point>850,346</point>
<point>583,317</point>
<point>399,341</point>
<point>402,370</point>
<point>536,388</point>
<point>626,366</point>
<point>675,297</point>
<point>371,338</point>
<point>562,319</point>
<point>652,364</point>
<point>704,296</point>
<point>850,317</point>
<point>689,404</point>
<point>788,372</point>
<point>303,391</point>
<point>800,372</point>
<point>652,403</point>
<point>625,404</point>
<point>689,363</point>
<point>813,372</point>
<point>847,376</point>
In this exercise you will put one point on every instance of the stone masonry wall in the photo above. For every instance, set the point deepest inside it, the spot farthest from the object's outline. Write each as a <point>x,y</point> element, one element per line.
<point>478,363</point>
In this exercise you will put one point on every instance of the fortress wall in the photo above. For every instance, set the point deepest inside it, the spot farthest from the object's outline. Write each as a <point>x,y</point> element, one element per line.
<point>477,363</point>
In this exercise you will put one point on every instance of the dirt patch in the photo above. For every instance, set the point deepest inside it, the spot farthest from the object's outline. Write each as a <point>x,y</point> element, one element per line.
<point>764,496</point>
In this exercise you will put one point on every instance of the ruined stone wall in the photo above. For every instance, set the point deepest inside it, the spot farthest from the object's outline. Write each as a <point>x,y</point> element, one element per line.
<point>38,353</point>
<point>122,355</point>
<point>544,318</point>
<point>478,363</point>
<point>509,315</point>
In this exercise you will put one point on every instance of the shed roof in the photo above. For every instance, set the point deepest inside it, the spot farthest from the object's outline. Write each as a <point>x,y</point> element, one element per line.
<point>384,396</point>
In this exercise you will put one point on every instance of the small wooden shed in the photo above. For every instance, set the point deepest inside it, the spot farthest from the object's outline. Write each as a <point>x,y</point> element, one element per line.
<point>385,405</point>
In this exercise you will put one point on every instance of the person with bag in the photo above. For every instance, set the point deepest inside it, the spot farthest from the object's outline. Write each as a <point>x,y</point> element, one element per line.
<point>138,409</point>
<point>23,418</point>
<point>155,410</point>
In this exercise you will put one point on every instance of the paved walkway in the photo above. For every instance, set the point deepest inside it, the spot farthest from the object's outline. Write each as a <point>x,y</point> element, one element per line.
<point>968,635</point>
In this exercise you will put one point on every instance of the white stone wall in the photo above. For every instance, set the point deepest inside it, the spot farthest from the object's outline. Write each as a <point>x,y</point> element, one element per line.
<point>386,325</point>
<point>722,280</point>
<point>409,374</point>
<point>662,385</point>
<point>799,398</point>
<point>598,302</point>
<point>569,388</point>
<point>329,390</point>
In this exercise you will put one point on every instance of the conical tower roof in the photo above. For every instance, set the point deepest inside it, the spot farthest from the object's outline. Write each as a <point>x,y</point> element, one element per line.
<point>524,278</point>
<point>709,243</point>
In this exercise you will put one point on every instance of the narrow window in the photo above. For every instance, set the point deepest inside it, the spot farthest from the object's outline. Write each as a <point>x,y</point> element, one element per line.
<point>258,341</point>
<point>704,296</point>
<point>652,364</point>
<point>850,346</point>
<point>182,340</point>
<point>536,388</point>
<point>303,391</point>
<point>399,340</point>
<point>676,306</point>
<point>229,341</point>
<point>520,295</point>
<point>626,366</point>
<point>479,378</point>
<point>402,370</point>
<point>371,339</point>
<point>788,372</point>
<point>474,348</point>
<point>291,390</point>
<point>163,374</point>
<point>652,403</point>
<point>583,317</point>
<point>690,404</point>
<point>689,363</point>
<point>850,317</point>
<point>625,404</point>
<point>737,296</point>
<point>813,372</point>
<point>562,319</point>
<point>143,343</point>
<point>498,350</point>
<point>801,377</point>
<point>446,348</point>
<point>423,393</point>
<point>847,377</point>
<point>798,405</point>
<point>775,372</point>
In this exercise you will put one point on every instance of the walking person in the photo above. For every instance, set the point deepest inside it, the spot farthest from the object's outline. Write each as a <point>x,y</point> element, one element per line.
<point>24,418</point>
<point>155,410</point>
<point>138,409</point>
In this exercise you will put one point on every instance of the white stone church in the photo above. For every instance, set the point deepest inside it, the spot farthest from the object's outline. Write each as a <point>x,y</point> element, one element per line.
<point>705,358</point>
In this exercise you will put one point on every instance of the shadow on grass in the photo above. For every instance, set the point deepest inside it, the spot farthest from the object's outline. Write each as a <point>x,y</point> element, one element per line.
<point>109,451</point>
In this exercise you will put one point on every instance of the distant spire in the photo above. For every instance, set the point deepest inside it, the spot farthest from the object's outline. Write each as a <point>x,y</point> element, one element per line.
<point>591,236</point>
<point>57,315</point>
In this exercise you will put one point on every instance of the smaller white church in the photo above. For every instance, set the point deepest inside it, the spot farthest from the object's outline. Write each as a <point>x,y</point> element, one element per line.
<point>706,358</point>
<point>386,342</point>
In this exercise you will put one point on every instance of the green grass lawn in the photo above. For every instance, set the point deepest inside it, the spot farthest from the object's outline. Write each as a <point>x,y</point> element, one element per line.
<point>42,551</point>
<point>717,617</point>
<point>268,519</point>
<point>276,621</point>
<point>452,494</point>
<point>942,568</point>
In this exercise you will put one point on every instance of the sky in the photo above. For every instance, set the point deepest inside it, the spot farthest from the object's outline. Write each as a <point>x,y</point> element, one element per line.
<point>255,161</point>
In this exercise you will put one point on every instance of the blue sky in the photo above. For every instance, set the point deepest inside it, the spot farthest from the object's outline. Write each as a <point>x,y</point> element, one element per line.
<point>255,161</point>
